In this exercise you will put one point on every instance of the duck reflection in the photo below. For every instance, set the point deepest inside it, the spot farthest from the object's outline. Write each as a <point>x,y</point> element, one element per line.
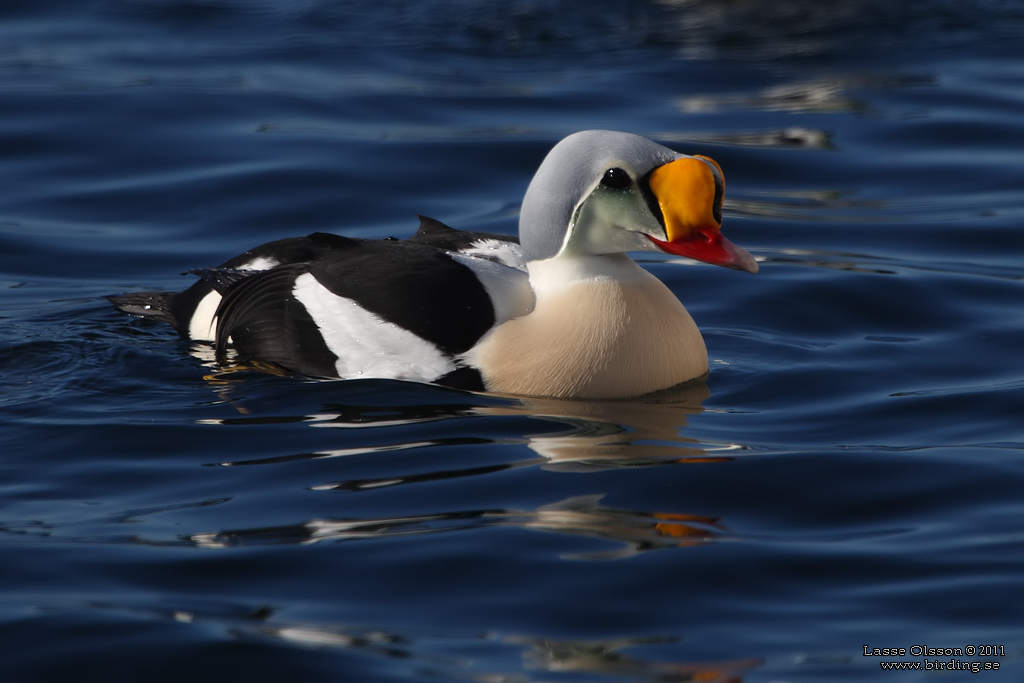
<point>429,651</point>
<point>611,434</point>
<point>604,657</point>
<point>634,531</point>
<point>600,435</point>
<point>590,656</point>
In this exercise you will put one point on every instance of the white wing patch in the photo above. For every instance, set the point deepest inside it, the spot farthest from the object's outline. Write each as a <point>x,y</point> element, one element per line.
<point>366,345</point>
<point>506,253</point>
<point>260,263</point>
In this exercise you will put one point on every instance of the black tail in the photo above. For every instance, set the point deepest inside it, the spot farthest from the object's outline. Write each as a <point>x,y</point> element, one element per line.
<point>152,305</point>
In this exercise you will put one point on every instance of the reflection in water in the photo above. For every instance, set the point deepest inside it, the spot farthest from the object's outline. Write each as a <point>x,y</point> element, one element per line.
<point>836,205</point>
<point>342,452</point>
<point>827,95</point>
<point>355,416</point>
<point>853,263</point>
<point>74,527</point>
<point>429,652</point>
<point>609,434</point>
<point>792,137</point>
<point>884,265</point>
<point>602,434</point>
<point>580,516</point>
<point>822,96</point>
<point>423,477</point>
<point>604,657</point>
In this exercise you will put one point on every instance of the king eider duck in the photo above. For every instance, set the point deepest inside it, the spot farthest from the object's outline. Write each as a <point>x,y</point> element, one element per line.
<point>566,314</point>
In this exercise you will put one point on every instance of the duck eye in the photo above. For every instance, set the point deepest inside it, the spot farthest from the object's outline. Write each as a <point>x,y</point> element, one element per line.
<point>616,179</point>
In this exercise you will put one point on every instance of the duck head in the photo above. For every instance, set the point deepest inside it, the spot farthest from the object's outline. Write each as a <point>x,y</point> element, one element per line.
<point>604,192</point>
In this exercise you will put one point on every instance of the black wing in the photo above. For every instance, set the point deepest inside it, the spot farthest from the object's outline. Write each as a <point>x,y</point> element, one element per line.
<point>260,318</point>
<point>415,286</point>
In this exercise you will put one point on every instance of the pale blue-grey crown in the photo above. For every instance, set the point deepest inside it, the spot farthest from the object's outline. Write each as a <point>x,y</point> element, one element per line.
<point>569,173</point>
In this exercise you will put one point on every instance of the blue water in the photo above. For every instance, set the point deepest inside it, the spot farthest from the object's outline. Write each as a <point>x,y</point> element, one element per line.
<point>851,474</point>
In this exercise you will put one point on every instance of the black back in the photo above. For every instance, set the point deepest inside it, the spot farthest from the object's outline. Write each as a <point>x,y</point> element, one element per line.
<point>414,284</point>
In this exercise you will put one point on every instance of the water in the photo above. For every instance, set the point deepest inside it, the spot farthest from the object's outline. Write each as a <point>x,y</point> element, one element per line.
<point>850,475</point>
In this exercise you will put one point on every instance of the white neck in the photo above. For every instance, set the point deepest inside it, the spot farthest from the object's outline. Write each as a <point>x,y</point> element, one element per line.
<point>557,273</point>
<point>602,327</point>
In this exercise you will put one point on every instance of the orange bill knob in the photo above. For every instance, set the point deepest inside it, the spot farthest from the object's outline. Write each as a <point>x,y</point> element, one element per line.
<point>689,192</point>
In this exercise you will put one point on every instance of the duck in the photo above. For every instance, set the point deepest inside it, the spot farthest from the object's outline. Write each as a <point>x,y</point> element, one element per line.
<point>562,311</point>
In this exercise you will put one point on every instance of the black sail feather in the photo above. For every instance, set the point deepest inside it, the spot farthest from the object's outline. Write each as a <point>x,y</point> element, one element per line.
<point>437,234</point>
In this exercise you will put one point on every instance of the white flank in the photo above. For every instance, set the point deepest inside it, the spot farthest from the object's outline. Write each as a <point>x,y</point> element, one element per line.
<point>204,321</point>
<point>366,345</point>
